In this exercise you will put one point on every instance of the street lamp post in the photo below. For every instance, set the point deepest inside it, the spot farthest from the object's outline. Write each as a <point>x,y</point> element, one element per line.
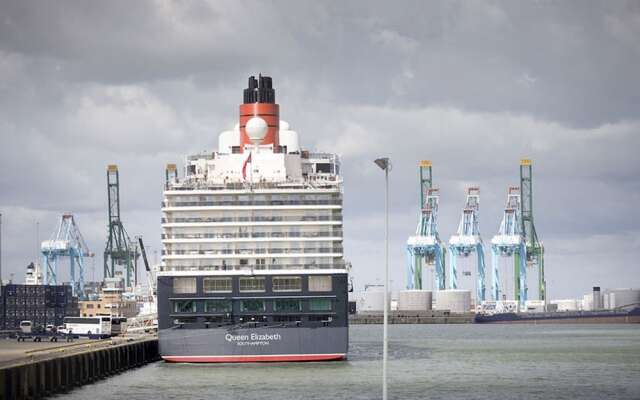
<point>0,252</point>
<point>385,165</point>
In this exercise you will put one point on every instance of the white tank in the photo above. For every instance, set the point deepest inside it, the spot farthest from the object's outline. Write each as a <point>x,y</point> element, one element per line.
<point>454,300</point>
<point>226,140</point>
<point>587,302</point>
<point>372,300</point>
<point>415,300</point>
<point>623,298</point>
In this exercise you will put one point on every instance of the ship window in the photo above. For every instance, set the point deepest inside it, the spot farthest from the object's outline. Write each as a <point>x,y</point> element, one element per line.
<point>216,285</point>
<point>252,305</point>
<point>254,284</point>
<point>184,285</point>
<point>320,283</point>
<point>320,305</point>
<point>217,306</point>
<point>287,305</point>
<point>287,284</point>
<point>184,306</point>
<point>323,167</point>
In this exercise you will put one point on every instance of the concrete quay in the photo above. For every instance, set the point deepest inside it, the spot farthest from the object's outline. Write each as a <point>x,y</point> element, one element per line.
<point>413,317</point>
<point>35,370</point>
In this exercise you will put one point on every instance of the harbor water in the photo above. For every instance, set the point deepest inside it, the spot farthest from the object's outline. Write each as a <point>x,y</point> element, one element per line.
<point>426,361</point>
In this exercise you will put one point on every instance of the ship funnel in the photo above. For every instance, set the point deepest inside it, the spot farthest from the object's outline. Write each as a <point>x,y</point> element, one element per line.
<point>259,114</point>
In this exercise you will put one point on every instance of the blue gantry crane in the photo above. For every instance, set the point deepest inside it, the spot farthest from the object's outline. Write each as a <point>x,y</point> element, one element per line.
<point>510,242</point>
<point>425,246</point>
<point>66,241</point>
<point>467,241</point>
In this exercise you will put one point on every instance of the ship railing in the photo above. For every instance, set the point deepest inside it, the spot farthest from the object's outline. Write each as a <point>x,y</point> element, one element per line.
<point>165,204</point>
<point>292,250</point>
<point>250,267</point>
<point>255,235</point>
<point>337,217</point>
<point>192,182</point>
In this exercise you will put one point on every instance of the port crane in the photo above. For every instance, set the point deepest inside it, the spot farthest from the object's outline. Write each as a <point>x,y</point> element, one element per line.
<point>535,249</point>
<point>147,319</point>
<point>467,241</point>
<point>510,242</point>
<point>66,241</point>
<point>150,278</point>
<point>425,245</point>
<point>119,251</point>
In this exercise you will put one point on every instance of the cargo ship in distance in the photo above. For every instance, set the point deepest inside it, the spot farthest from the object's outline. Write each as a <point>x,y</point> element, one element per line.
<point>252,264</point>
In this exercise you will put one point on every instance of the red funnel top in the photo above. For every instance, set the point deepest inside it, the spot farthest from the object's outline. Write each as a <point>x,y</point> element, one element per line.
<point>259,101</point>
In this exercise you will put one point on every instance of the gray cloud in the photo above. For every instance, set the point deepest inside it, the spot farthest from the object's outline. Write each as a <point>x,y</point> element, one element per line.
<point>473,86</point>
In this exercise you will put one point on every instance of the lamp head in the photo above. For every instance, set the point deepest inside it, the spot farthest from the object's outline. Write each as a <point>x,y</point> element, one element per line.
<point>383,163</point>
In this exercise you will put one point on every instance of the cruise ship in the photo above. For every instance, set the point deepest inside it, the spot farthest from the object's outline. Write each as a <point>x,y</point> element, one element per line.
<point>252,263</point>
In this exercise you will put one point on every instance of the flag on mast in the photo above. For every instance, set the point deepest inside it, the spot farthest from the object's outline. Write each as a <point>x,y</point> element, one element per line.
<point>244,167</point>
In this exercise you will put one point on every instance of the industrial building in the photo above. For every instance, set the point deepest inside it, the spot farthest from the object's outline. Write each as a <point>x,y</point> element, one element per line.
<point>112,300</point>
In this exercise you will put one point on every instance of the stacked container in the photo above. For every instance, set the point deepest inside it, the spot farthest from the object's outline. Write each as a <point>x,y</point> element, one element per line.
<point>41,304</point>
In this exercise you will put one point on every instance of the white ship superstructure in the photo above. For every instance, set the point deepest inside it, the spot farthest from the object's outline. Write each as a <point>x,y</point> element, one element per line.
<point>285,213</point>
<point>253,233</point>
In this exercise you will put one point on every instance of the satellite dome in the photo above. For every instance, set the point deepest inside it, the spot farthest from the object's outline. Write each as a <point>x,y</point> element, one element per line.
<point>256,129</point>
<point>284,125</point>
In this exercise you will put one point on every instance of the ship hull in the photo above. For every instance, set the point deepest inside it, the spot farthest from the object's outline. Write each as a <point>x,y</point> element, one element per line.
<point>262,344</point>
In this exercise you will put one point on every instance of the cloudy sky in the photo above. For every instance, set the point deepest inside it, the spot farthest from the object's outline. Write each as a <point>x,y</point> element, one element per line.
<point>472,86</point>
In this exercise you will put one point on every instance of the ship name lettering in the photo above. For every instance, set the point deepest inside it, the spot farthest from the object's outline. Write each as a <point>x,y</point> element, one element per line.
<point>274,336</point>
<point>234,338</point>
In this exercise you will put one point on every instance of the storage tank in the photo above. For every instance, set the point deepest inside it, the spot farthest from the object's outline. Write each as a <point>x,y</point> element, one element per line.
<point>372,300</point>
<point>587,302</point>
<point>454,300</point>
<point>415,300</point>
<point>623,298</point>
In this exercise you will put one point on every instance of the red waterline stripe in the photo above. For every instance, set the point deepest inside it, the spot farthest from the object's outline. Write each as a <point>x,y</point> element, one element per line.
<point>255,358</point>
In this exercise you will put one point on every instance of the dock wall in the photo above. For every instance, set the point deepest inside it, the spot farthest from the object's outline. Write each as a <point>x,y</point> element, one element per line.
<point>38,379</point>
<point>409,317</point>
